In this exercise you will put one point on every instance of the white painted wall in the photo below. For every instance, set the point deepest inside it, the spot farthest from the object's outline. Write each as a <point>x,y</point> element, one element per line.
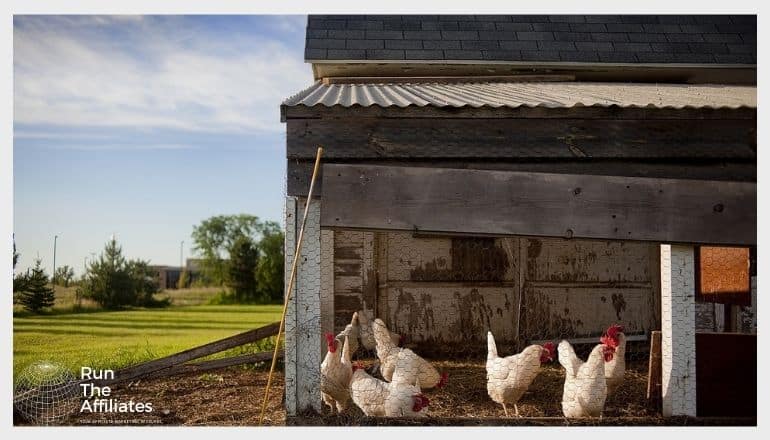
<point>303,317</point>
<point>677,291</point>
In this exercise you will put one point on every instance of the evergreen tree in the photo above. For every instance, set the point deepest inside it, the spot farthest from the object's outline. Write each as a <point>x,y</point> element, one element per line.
<point>114,282</point>
<point>244,256</point>
<point>36,294</point>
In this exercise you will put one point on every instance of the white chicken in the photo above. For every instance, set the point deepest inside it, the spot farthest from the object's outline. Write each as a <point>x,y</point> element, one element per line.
<point>413,367</point>
<point>366,332</point>
<point>509,378</point>
<point>336,372</point>
<point>615,369</point>
<point>377,398</point>
<point>352,331</point>
<point>585,388</point>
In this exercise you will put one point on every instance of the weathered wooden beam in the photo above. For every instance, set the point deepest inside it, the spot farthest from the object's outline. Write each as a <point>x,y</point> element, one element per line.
<point>579,112</point>
<point>538,204</point>
<point>463,139</point>
<point>215,364</point>
<point>299,172</point>
<point>143,369</point>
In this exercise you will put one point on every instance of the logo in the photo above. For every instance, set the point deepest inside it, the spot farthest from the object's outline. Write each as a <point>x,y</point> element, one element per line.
<point>45,393</point>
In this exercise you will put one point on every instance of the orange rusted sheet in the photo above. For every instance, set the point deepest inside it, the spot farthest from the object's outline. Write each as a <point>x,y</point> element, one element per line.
<point>724,275</point>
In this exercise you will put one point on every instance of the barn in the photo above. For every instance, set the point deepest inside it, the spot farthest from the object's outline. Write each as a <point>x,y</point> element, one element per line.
<point>537,176</point>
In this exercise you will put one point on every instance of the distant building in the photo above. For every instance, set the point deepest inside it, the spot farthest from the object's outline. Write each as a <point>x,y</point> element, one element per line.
<point>168,276</point>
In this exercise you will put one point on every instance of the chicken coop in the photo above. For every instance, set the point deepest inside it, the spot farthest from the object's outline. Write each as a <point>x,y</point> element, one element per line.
<point>538,177</point>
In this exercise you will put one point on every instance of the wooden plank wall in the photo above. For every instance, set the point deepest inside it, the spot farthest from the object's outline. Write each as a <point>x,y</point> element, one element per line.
<point>577,288</point>
<point>354,275</point>
<point>539,204</point>
<point>522,288</point>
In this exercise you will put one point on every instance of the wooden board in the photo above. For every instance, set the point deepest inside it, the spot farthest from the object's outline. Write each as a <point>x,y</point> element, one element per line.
<point>538,204</point>
<point>655,370</point>
<point>376,138</point>
<point>299,172</point>
<point>726,374</point>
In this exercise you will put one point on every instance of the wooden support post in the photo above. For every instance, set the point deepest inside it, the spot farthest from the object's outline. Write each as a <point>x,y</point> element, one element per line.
<point>290,284</point>
<point>677,291</point>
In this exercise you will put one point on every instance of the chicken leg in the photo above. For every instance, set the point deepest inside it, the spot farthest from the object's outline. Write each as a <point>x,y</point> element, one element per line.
<point>506,410</point>
<point>516,407</point>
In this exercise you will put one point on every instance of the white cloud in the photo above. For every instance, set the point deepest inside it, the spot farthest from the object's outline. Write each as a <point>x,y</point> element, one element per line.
<point>131,72</point>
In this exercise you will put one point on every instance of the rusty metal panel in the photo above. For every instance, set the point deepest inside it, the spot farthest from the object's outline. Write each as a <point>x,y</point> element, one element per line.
<point>551,310</point>
<point>443,259</point>
<point>557,260</point>
<point>723,275</point>
<point>426,312</point>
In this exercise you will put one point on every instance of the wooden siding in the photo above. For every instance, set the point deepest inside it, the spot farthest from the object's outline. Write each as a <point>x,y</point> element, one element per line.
<point>525,289</point>
<point>300,171</point>
<point>540,204</point>
<point>356,139</point>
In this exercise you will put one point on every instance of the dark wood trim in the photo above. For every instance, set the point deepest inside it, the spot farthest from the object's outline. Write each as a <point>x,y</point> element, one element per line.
<point>622,72</point>
<point>517,139</point>
<point>299,171</point>
<point>579,112</point>
<point>538,204</point>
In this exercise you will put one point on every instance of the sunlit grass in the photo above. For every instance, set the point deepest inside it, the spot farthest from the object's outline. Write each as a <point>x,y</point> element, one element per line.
<point>116,339</point>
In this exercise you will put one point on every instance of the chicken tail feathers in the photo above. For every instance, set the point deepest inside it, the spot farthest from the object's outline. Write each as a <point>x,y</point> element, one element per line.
<point>568,359</point>
<point>491,347</point>
<point>381,334</point>
<point>346,350</point>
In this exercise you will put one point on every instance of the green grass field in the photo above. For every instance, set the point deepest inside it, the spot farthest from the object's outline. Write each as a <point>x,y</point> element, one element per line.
<point>101,339</point>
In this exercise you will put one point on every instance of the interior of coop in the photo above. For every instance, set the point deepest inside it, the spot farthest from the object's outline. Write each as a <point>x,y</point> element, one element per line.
<point>442,293</point>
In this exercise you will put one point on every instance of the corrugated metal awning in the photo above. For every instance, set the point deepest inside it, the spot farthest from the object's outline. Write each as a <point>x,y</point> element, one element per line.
<point>526,94</point>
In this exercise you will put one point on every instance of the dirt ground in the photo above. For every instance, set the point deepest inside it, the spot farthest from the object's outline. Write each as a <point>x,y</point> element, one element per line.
<point>227,397</point>
<point>233,397</point>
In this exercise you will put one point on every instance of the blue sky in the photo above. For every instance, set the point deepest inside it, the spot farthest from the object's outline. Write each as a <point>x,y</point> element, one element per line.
<point>143,126</point>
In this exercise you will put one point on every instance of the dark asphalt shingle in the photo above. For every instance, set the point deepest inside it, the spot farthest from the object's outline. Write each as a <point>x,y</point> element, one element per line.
<point>710,39</point>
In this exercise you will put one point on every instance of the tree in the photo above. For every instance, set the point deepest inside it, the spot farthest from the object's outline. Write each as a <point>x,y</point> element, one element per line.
<point>214,238</point>
<point>184,279</point>
<point>19,281</point>
<point>63,276</point>
<point>244,256</point>
<point>15,254</point>
<point>114,282</point>
<point>270,270</point>
<point>36,294</point>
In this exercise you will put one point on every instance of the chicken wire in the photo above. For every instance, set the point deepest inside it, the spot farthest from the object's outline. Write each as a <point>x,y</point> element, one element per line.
<point>469,262</point>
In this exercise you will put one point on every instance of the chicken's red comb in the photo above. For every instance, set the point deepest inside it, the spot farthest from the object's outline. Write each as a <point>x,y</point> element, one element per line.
<point>614,330</point>
<point>443,381</point>
<point>358,366</point>
<point>329,338</point>
<point>551,347</point>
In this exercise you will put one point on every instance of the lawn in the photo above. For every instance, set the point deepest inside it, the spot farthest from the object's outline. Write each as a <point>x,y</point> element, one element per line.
<point>101,339</point>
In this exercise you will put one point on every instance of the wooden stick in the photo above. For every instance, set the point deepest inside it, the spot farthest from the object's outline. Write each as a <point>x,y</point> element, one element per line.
<point>215,364</point>
<point>143,369</point>
<point>291,282</point>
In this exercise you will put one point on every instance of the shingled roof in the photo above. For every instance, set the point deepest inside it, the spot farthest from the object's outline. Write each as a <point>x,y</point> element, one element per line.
<point>641,39</point>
